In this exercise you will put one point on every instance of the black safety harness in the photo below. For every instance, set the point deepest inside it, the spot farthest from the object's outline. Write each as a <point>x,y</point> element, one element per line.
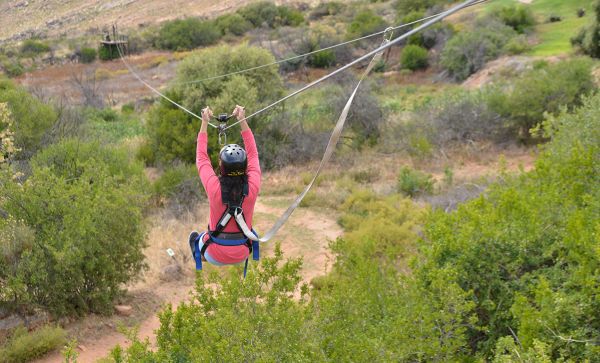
<point>217,236</point>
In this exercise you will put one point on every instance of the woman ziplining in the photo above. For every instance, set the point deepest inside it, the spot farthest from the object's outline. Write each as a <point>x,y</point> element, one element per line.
<point>231,193</point>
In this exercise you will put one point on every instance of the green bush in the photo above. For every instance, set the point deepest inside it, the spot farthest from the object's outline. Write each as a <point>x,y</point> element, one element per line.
<point>414,182</point>
<point>233,24</point>
<point>414,58</point>
<point>33,119</point>
<point>518,17</point>
<point>323,59</point>
<point>81,207</point>
<point>172,133</point>
<point>104,114</point>
<point>32,48</point>
<point>24,346</point>
<point>187,34</point>
<point>87,55</point>
<point>108,52</point>
<point>290,16</point>
<point>12,67</point>
<point>364,23</point>
<point>326,9</point>
<point>588,39</point>
<point>404,7</point>
<point>526,253</point>
<point>468,51</point>
<point>264,12</point>
<point>543,90</point>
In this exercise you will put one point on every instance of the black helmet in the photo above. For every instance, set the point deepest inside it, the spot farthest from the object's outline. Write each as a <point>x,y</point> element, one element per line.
<point>233,160</point>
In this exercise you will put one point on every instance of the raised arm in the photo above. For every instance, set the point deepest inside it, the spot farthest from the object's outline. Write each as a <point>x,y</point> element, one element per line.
<point>209,179</point>
<point>253,169</point>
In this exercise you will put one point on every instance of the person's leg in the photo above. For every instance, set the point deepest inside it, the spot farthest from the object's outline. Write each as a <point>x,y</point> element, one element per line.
<point>211,260</point>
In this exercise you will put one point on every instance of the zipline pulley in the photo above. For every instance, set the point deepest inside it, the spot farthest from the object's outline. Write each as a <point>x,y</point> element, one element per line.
<point>222,127</point>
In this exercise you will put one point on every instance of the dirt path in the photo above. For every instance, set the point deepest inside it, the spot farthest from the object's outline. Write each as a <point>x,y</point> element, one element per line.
<point>306,235</point>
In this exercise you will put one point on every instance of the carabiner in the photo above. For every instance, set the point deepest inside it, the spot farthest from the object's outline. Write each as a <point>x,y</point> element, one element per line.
<point>388,34</point>
<point>222,134</point>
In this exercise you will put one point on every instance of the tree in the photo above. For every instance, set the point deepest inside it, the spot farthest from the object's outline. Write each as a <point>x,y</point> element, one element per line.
<point>172,133</point>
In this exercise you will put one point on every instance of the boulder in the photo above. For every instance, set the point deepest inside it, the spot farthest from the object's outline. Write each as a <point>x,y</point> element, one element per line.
<point>123,310</point>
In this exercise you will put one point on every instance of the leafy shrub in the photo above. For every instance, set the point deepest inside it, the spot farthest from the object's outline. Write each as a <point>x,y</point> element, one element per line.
<point>326,9</point>
<point>106,115</point>
<point>128,108</point>
<point>414,182</point>
<point>414,57</point>
<point>542,90</point>
<point>524,251</point>
<point>81,205</point>
<point>517,45</point>
<point>273,16</point>
<point>187,34</point>
<point>468,51</point>
<point>32,118</point>
<point>24,346</point>
<point>12,67</point>
<point>518,17</point>
<point>32,48</point>
<point>172,133</point>
<point>87,55</point>
<point>323,59</point>
<point>404,7</point>
<point>290,16</point>
<point>233,24</point>
<point>365,22</point>
<point>108,52</point>
<point>588,39</point>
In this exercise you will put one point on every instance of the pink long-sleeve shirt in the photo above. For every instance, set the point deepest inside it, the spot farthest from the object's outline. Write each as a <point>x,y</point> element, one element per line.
<point>212,186</point>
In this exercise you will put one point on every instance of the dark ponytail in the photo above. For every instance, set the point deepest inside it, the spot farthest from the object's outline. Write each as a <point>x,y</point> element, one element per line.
<point>233,189</point>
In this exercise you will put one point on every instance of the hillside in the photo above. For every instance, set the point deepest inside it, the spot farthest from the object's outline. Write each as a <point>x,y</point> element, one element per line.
<point>22,19</point>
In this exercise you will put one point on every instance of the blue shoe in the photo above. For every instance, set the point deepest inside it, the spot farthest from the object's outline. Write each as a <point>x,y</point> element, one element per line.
<point>192,240</point>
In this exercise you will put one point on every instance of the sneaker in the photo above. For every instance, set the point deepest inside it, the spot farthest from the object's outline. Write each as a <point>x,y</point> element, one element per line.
<point>192,240</point>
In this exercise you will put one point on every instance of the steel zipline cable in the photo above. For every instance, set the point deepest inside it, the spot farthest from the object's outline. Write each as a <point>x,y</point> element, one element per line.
<point>157,92</point>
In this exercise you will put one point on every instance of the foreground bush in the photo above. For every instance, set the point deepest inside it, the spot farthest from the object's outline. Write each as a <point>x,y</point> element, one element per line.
<point>354,314</point>
<point>73,234</point>
<point>173,133</point>
<point>527,253</point>
<point>24,346</point>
